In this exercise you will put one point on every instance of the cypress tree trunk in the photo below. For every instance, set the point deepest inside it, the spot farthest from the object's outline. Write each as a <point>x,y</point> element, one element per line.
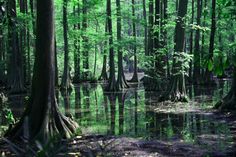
<point>15,66</point>
<point>135,74</point>
<point>191,44</point>
<point>22,40</point>
<point>121,81</point>
<point>176,90</point>
<point>145,27</point>
<point>66,80</point>
<point>85,42</point>
<point>112,80</point>
<point>160,21</point>
<point>2,75</point>
<point>42,118</point>
<point>31,3</point>
<point>208,74</point>
<point>150,28</point>
<point>103,75</point>
<point>25,42</point>
<point>203,36</point>
<point>77,48</point>
<point>157,25</point>
<point>157,59</point>
<point>197,52</point>
<point>177,5</point>
<point>95,54</point>
<point>165,60</point>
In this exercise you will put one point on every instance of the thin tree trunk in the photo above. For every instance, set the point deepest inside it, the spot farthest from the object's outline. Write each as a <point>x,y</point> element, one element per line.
<point>112,80</point>
<point>95,54</point>
<point>197,52</point>
<point>165,43</point>
<point>15,69</point>
<point>103,75</point>
<point>77,26</point>
<point>2,67</point>
<point>135,74</point>
<point>156,36</point>
<point>209,75</point>
<point>121,81</point>
<point>150,28</point>
<point>191,43</point>
<point>66,82</point>
<point>203,37</point>
<point>85,42</point>
<point>145,28</point>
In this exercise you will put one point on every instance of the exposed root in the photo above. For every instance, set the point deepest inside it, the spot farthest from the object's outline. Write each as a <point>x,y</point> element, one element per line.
<point>121,82</point>
<point>54,123</point>
<point>176,91</point>
<point>111,87</point>
<point>103,75</point>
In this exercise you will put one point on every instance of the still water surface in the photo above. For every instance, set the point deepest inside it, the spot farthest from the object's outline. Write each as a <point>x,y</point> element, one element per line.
<point>136,113</point>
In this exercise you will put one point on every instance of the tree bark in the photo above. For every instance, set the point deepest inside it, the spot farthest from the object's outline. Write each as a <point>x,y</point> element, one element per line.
<point>2,67</point>
<point>197,52</point>
<point>77,76</point>
<point>135,74</point>
<point>42,118</point>
<point>85,42</point>
<point>150,28</point>
<point>66,79</point>
<point>112,80</point>
<point>157,58</point>
<point>103,75</point>
<point>208,74</point>
<point>15,66</point>
<point>176,90</point>
<point>121,81</point>
<point>191,44</point>
<point>145,28</point>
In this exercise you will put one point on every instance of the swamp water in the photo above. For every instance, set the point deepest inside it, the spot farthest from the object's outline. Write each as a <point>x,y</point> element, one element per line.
<point>137,114</point>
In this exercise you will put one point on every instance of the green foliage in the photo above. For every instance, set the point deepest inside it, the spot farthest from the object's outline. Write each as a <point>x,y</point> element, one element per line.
<point>210,65</point>
<point>9,116</point>
<point>182,61</point>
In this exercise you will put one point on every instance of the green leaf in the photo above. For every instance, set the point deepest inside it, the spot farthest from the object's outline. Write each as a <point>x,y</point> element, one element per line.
<point>219,71</point>
<point>210,65</point>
